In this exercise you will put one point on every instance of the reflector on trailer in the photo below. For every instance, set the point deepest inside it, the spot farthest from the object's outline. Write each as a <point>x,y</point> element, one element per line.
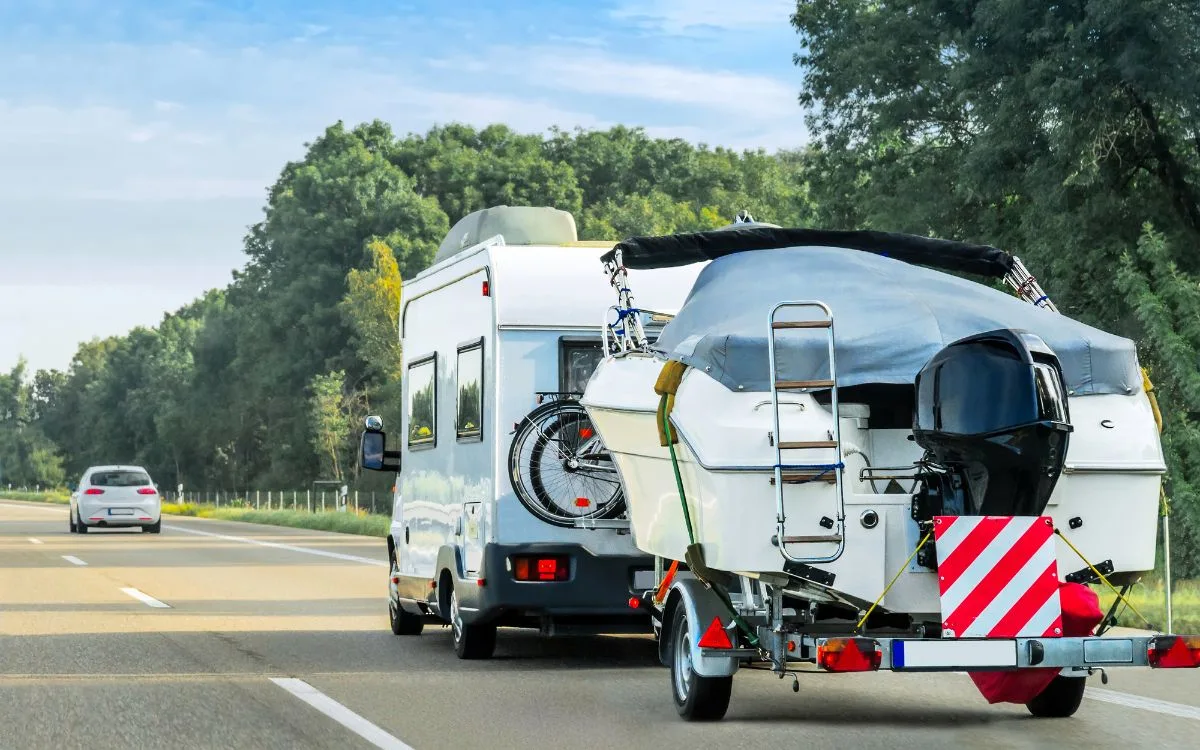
<point>849,655</point>
<point>1174,651</point>
<point>715,636</point>
<point>586,432</point>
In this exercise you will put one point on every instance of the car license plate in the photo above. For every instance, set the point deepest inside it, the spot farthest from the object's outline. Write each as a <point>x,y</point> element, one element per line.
<point>120,512</point>
<point>943,654</point>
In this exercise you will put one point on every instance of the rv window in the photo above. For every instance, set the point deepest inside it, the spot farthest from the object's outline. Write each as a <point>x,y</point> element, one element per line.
<point>577,362</point>
<point>422,402</point>
<point>469,423</point>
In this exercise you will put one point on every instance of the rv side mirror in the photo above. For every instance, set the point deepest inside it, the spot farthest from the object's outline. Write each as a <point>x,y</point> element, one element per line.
<point>375,455</point>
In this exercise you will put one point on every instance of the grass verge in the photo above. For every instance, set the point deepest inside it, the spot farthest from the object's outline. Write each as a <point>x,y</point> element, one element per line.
<point>59,497</point>
<point>362,523</point>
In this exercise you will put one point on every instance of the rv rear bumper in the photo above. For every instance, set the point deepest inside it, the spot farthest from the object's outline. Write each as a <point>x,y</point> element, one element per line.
<point>594,596</point>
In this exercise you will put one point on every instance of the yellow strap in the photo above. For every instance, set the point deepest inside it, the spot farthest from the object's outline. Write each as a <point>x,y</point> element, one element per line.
<point>896,577</point>
<point>667,385</point>
<point>1102,578</point>
<point>1149,388</point>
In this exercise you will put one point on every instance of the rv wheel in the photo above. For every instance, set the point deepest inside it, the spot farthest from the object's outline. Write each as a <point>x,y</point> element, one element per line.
<point>473,641</point>
<point>403,622</point>
<point>697,698</point>
<point>1060,699</point>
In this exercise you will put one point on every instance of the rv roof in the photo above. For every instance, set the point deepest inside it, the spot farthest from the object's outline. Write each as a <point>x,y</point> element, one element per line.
<point>553,286</point>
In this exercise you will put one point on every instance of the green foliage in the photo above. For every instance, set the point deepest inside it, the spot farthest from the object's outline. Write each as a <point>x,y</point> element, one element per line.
<point>1057,131</point>
<point>363,524</point>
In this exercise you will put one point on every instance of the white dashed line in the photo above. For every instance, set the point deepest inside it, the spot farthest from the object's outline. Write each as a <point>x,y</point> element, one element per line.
<point>73,560</point>
<point>339,713</point>
<point>146,598</point>
<point>35,541</point>
<point>276,545</point>
<point>1146,704</point>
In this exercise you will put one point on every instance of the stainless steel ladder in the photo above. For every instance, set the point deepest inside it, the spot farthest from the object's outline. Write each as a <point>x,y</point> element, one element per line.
<point>797,473</point>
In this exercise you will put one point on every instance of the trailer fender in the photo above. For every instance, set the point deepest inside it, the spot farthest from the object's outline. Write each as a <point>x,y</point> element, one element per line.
<point>701,606</point>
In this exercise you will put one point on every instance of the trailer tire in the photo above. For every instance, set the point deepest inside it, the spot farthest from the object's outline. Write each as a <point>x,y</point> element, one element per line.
<point>697,698</point>
<point>471,641</point>
<point>1060,699</point>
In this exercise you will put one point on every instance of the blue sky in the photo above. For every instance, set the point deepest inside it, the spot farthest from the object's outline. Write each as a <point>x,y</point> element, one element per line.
<point>137,139</point>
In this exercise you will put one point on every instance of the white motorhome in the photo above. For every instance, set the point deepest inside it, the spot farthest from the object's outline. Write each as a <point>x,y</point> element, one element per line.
<point>507,512</point>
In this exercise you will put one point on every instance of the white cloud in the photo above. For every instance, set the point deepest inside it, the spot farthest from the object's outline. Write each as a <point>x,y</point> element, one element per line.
<point>593,73</point>
<point>684,17</point>
<point>162,106</point>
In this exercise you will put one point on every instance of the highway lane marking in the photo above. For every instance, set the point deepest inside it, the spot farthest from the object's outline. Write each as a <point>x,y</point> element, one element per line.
<point>73,560</point>
<point>35,541</point>
<point>1146,704</point>
<point>277,545</point>
<point>145,598</point>
<point>339,713</point>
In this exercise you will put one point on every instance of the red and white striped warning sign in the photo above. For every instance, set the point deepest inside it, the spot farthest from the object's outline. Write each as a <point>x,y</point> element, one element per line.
<point>997,576</point>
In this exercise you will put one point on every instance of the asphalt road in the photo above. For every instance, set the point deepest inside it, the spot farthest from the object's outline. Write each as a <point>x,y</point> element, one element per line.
<point>227,635</point>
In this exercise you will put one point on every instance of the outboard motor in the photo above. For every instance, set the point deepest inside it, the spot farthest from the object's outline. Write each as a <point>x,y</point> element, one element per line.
<point>991,414</point>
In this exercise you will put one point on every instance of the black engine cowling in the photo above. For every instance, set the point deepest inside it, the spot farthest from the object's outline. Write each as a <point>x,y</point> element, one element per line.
<point>991,413</point>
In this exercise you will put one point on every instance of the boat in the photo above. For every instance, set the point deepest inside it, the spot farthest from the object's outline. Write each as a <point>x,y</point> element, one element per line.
<point>830,414</point>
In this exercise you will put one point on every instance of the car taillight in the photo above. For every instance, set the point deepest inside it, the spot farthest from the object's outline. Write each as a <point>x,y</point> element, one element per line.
<point>1174,651</point>
<point>541,568</point>
<point>147,491</point>
<point>849,655</point>
<point>93,491</point>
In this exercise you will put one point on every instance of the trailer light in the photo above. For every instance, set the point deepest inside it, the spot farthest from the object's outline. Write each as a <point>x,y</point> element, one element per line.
<point>715,636</point>
<point>487,290</point>
<point>849,655</point>
<point>1174,651</point>
<point>586,432</point>
<point>93,491</point>
<point>582,502</point>
<point>480,582</point>
<point>634,602</point>
<point>539,568</point>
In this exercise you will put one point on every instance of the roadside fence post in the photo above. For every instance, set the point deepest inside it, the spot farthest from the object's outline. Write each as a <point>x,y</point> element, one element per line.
<point>308,499</point>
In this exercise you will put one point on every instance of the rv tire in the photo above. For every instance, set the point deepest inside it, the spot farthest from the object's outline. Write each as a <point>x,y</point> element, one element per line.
<point>1060,699</point>
<point>471,641</point>
<point>402,621</point>
<point>697,698</point>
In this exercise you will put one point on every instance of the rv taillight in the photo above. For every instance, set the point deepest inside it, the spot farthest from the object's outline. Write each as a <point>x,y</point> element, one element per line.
<point>486,290</point>
<point>147,491</point>
<point>849,655</point>
<point>1174,651</point>
<point>540,568</point>
<point>93,491</point>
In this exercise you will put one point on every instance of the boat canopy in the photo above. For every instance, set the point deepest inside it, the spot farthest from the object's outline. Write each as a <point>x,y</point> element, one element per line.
<point>890,317</point>
<point>694,247</point>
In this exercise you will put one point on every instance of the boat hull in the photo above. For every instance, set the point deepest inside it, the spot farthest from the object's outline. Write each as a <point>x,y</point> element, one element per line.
<point>1106,502</point>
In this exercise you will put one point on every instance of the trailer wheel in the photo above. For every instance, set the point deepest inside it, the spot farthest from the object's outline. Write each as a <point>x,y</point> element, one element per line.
<point>475,641</point>
<point>1060,699</point>
<point>697,698</point>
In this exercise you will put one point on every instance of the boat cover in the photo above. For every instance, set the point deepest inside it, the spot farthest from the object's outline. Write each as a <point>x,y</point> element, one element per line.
<point>890,318</point>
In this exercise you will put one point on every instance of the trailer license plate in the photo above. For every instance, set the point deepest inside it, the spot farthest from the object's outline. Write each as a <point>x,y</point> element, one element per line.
<point>643,580</point>
<point>950,654</point>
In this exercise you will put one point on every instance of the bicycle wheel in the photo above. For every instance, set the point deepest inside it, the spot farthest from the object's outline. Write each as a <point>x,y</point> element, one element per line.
<point>560,469</point>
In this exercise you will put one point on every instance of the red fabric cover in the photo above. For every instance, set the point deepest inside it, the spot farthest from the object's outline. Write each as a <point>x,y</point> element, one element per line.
<point>1080,616</point>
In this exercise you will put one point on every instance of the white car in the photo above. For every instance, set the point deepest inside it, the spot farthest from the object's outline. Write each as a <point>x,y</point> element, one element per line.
<point>115,496</point>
